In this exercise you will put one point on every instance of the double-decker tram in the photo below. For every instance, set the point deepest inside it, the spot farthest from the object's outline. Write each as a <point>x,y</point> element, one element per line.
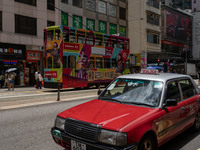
<point>81,58</point>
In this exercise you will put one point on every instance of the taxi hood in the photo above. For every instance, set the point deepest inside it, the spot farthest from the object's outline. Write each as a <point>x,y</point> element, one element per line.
<point>109,115</point>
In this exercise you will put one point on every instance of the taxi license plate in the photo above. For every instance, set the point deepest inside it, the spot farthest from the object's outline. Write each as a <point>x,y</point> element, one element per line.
<point>77,145</point>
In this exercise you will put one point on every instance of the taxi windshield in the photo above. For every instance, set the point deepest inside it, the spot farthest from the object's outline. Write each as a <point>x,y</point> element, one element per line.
<point>134,91</point>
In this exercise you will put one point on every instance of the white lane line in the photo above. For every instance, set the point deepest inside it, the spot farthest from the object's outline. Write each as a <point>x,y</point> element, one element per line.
<point>44,102</point>
<point>24,95</point>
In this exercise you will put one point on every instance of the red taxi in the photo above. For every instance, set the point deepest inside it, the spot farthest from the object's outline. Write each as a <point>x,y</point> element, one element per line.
<point>136,111</point>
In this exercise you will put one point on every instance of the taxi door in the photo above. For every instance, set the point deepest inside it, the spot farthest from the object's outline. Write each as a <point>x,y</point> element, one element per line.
<point>190,98</point>
<point>170,122</point>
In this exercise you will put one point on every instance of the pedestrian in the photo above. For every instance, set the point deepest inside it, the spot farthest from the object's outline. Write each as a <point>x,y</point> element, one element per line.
<point>36,79</point>
<point>1,81</point>
<point>11,78</point>
<point>40,79</point>
<point>6,82</point>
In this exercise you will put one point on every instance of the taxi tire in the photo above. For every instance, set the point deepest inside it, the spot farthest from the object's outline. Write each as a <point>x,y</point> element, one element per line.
<point>196,125</point>
<point>148,142</point>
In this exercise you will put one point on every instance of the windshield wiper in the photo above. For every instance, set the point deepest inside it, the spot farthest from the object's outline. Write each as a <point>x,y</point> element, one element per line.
<point>110,99</point>
<point>138,103</point>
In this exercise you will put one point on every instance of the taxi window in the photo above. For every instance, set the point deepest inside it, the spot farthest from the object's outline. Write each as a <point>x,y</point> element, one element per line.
<point>134,91</point>
<point>173,91</point>
<point>188,89</point>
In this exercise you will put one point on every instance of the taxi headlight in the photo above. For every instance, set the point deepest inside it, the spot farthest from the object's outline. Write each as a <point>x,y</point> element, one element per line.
<point>60,123</point>
<point>113,138</point>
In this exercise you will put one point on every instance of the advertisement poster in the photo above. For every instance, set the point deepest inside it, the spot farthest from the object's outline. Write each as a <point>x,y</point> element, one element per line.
<point>178,26</point>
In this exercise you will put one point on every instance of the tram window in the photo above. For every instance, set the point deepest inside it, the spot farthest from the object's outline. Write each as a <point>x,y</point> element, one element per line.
<point>72,36</point>
<point>106,62</point>
<point>99,40</point>
<point>126,44</point>
<point>99,62</point>
<point>90,39</point>
<point>114,43</point>
<point>56,62</point>
<point>64,61</point>
<point>113,63</point>
<point>71,61</point>
<point>49,62</point>
<point>127,64</point>
<point>65,35</point>
<point>57,34</point>
<point>91,62</point>
<point>106,41</point>
<point>121,43</point>
<point>80,37</point>
<point>50,35</point>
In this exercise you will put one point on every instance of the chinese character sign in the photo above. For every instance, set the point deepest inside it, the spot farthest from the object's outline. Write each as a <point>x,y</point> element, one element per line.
<point>77,22</point>
<point>64,19</point>
<point>90,24</point>
<point>102,27</point>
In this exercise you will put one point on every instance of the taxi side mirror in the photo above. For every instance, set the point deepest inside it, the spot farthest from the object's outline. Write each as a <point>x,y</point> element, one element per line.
<point>99,92</point>
<point>170,102</point>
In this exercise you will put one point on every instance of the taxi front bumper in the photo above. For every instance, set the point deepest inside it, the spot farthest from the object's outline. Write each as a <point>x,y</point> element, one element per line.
<point>65,140</point>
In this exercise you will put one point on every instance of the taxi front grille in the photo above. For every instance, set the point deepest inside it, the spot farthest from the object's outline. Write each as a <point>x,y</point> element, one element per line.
<point>83,130</point>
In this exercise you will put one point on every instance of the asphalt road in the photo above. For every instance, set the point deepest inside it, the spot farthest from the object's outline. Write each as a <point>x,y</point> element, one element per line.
<point>26,117</point>
<point>28,128</point>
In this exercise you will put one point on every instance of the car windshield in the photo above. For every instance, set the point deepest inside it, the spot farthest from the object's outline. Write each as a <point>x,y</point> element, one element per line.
<point>134,91</point>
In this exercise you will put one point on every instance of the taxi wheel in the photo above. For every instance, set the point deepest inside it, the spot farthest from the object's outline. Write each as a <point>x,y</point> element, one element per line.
<point>148,143</point>
<point>196,125</point>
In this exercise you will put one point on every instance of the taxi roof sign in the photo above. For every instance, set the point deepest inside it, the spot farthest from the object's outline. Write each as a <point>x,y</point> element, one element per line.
<point>149,71</point>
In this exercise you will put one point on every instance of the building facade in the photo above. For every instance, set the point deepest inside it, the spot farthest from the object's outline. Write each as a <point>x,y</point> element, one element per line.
<point>144,30</point>
<point>195,5</point>
<point>22,23</point>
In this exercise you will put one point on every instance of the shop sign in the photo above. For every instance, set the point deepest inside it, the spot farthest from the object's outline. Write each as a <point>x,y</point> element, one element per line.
<point>122,30</point>
<point>10,51</point>
<point>90,24</point>
<point>113,28</point>
<point>10,61</point>
<point>77,22</point>
<point>102,27</point>
<point>64,19</point>
<point>30,55</point>
<point>113,11</point>
<point>102,7</point>
<point>90,5</point>
<point>98,51</point>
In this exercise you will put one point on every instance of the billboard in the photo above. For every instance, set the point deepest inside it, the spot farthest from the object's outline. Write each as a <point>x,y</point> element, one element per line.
<point>178,26</point>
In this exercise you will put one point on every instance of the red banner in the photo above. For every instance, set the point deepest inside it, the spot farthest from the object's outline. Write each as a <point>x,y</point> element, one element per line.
<point>71,46</point>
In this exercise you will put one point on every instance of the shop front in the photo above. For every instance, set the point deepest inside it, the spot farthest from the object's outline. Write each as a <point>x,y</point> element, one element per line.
<point>31,66</point>
<point>13,56</point>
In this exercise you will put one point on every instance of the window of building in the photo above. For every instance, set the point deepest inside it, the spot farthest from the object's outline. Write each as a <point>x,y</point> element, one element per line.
<point>50,23</point>
<point>153,19</point>
<point>153,3</point>
<point>77,3</point>
<point>122,13</point>
<point>64,1</point>
<point>25,25</point>
<point>91,5</point>
<point>153,37</point>
<point>29,2</point>
<point>102,7</point>
<point>51,5</point>
<point>0,20</point>
<point>113,10</point>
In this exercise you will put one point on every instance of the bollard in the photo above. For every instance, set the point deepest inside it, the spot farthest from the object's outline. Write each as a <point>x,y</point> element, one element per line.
<point>58,98</point>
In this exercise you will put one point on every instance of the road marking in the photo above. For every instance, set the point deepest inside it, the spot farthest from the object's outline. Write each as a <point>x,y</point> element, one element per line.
<point>24,95</point>
<point>44,102</point>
